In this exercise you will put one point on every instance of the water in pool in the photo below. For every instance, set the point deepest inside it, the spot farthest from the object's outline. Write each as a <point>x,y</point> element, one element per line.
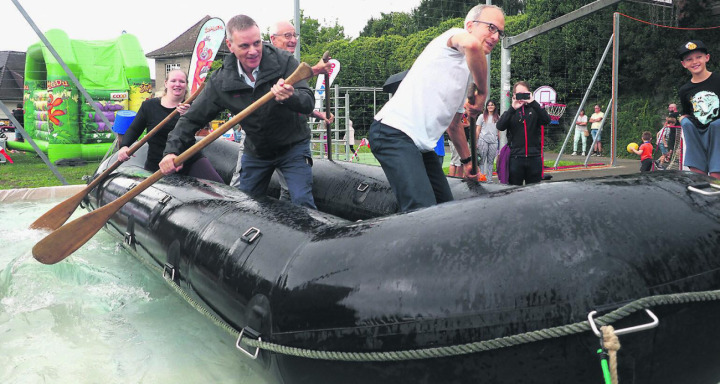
<point>99,317</point>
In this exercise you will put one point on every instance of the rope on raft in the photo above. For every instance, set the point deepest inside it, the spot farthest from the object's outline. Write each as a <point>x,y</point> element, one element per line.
<point>450,350</point>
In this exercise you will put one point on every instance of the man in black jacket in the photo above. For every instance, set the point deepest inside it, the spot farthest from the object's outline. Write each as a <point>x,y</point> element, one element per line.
<point>276,134</point>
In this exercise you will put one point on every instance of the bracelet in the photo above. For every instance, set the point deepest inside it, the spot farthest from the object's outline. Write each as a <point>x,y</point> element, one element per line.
<point>465,160</point>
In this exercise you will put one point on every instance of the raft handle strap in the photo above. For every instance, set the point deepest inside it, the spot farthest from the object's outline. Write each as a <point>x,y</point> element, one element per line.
<point>250,235</point>
<point>450,350</point>
<point>697,188</point>
<point>363,187</point>
<point>129,238</point>
<point>253,334</point>
<point>624,331</point>
<point>168,267</point>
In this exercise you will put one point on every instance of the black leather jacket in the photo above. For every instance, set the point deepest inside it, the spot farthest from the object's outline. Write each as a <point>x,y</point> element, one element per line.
<point>272,129</point>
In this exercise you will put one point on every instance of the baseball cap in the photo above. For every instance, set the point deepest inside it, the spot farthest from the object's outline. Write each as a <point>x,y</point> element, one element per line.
<point>692,45</point>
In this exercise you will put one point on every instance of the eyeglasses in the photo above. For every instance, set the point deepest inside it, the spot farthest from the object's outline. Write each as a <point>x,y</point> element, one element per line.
<point>492,28</point>
<point>288,35</point>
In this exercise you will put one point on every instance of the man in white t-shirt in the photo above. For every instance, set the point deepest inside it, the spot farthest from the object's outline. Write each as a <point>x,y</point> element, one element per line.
<point>429,101</point>
<point>596,119</point>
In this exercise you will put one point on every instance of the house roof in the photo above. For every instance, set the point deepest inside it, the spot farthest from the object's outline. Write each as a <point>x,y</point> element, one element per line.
<point>184,44</point>
<point>12,72</point>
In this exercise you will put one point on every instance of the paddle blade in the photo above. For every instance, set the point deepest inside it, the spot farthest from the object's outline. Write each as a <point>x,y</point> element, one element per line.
<point>62,242</point>
<point>59,214</point>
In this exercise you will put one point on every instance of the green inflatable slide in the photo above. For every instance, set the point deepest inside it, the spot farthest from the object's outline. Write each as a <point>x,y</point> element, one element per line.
<point>57,116</point>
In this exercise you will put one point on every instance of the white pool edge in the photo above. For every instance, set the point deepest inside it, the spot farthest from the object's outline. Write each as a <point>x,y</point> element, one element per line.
<point>42,193</point>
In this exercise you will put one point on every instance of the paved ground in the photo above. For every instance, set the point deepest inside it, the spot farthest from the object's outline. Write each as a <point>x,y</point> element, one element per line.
<point>597,166</point>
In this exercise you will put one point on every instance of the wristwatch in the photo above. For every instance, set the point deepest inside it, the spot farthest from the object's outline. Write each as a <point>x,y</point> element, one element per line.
<point>465,160</point>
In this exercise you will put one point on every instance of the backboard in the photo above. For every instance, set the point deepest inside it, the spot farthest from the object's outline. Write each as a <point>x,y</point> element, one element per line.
<point>545,95</point>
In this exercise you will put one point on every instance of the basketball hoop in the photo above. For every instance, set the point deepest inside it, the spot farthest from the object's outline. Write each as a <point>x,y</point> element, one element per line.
<point>555,111</point>
<point>547,97</point>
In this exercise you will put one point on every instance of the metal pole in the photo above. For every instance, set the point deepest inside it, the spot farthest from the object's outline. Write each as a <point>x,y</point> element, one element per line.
<point>584,100</point>
<point>328,127</point>
<point>336,123</point>
<point>504,86</point>
<point>488,2</point>
<point>297,29</point>
<point>64,66</point>
<point>33,144</point>
<point>347,126</point>
<point>616,57</point>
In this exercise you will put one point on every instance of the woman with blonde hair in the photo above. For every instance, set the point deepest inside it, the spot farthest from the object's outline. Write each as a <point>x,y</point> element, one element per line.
<point>151,113</point>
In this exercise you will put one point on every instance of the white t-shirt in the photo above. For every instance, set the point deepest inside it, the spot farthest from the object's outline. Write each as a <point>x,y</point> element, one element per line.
<point>581,119</point>
<point>489,132</point>
<point>596,124</point>
<point>430,95</point>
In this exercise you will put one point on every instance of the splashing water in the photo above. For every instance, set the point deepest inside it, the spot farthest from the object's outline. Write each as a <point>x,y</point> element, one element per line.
<point>99,317</point>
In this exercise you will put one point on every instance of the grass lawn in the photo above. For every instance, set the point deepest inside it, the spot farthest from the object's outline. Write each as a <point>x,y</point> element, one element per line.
<point>29,171</point>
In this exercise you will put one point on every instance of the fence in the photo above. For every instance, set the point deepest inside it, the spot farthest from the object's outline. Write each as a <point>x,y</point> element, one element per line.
<point>365,103</point>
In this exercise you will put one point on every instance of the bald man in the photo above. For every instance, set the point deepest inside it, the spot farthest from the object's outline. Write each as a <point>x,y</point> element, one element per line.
<point>284,37</point>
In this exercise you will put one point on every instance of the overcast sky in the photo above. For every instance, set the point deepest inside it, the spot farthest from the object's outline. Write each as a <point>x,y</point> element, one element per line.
<point>156,23</point>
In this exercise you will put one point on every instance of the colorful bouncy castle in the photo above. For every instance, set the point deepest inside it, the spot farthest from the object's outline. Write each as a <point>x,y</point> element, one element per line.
<point>60,120</point>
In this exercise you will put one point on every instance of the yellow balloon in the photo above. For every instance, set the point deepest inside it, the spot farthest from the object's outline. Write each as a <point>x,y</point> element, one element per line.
<point>632,146</point>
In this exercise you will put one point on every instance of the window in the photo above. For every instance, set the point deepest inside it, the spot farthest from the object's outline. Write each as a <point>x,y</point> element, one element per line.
<point>170,67</point>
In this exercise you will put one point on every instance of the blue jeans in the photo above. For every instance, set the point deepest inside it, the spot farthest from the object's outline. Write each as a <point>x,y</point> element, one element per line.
<point>296,166</point>
<point>702,146</point>
<point>416,178</point>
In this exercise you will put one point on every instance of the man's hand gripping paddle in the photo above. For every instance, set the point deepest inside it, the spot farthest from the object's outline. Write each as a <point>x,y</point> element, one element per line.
<point>67,239</point>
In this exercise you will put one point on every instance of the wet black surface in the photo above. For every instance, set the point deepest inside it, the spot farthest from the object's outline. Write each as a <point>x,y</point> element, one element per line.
<point>496,262</point>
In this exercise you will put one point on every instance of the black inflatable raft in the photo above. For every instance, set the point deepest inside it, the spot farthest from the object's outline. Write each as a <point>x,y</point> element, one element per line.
<point>495,287</point>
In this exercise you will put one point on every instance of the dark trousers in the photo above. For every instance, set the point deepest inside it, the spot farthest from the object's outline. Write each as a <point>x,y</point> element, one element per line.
<point>416,178</point>
<point>527,169</point>
<point>296,166</point>
<point>646,165</point>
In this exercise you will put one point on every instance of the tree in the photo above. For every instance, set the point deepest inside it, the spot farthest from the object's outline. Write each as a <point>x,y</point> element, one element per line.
<point>393,23</point>
<point>313,33</point>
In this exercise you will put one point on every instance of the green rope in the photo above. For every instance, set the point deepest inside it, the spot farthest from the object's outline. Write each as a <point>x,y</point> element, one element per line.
<point>451,350</point>
<point>488,345</point>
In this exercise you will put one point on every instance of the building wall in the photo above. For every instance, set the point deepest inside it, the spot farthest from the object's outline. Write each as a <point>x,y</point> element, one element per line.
<point>10,104</point>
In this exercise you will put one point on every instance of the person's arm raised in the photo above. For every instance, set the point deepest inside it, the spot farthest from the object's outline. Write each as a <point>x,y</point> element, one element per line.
<point>472,48</point>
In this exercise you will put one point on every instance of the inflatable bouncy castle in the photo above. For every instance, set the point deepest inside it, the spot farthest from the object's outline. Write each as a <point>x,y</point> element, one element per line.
<point>60,120</point>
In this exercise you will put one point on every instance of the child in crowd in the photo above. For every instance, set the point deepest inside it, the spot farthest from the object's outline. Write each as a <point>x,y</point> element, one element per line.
<point>700,119</point>
<point>645,152</point>
<point>662,141</point>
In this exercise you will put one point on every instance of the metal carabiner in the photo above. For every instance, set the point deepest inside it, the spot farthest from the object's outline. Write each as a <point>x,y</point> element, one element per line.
<point>623,331</point>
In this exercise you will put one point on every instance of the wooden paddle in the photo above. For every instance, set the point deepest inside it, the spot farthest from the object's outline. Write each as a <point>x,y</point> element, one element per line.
<point>328,138</point>
<point>59,214</point>
<point>68,238</point>
<point>473,130</point>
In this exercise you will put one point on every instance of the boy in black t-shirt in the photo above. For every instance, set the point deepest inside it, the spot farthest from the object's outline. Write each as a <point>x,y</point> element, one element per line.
<point>700,120</point>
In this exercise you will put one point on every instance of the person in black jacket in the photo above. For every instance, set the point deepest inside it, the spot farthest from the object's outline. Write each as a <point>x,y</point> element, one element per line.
<point>276,135</point>
<point>151,113</point>
<point>523,121</point>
